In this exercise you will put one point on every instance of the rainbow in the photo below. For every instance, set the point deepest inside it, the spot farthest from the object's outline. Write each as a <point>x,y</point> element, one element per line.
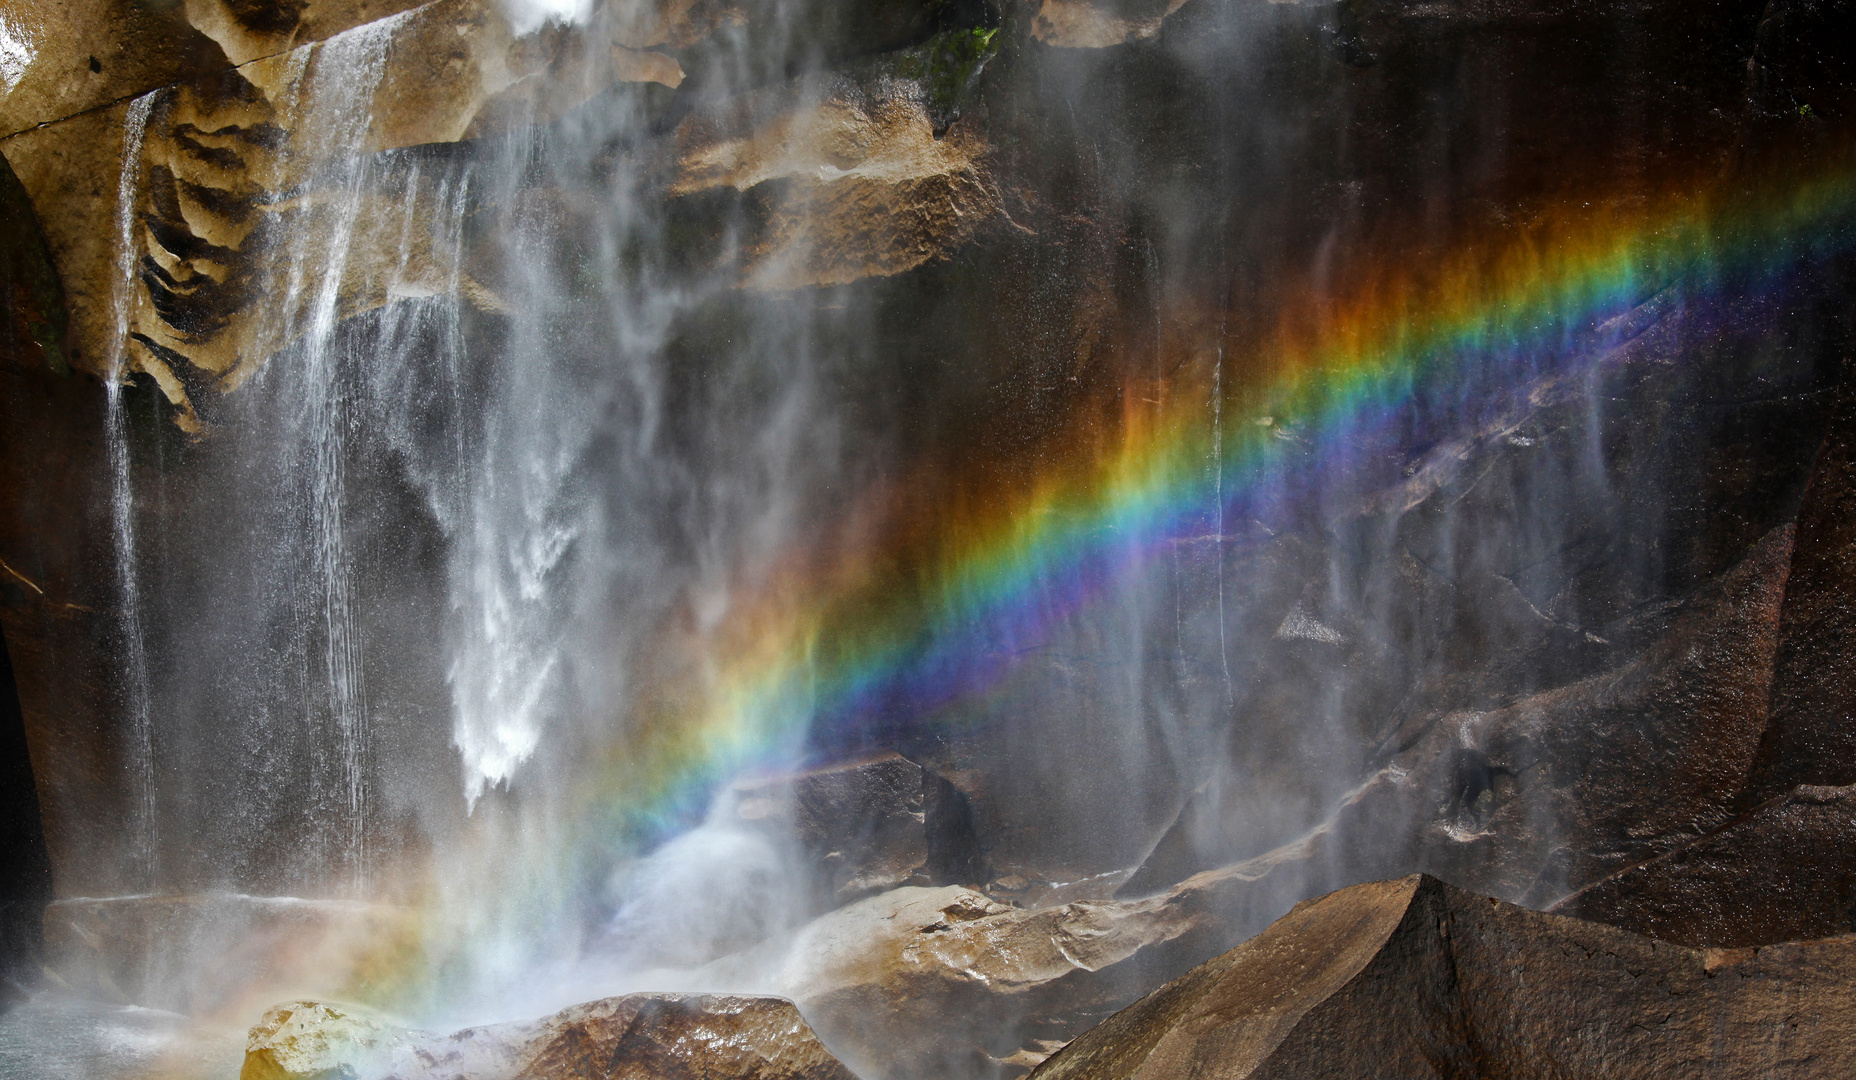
<point>929,592</point>
<point>821,653</point>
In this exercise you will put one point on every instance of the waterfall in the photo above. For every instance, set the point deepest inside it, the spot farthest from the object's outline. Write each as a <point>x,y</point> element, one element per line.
<point>644,496</point>
<point>140,721</point>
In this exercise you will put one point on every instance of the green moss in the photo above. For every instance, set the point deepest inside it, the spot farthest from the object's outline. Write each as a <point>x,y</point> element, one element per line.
<point>946,67</point>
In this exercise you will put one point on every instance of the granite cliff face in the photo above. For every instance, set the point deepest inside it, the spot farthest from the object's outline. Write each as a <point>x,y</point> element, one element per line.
<point>1572,636</point>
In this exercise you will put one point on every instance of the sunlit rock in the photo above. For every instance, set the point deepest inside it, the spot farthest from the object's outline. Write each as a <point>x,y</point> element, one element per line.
<point>1413,977</point>
<point>858,176</point>
<point>1084,24</point>
<point>309,1040</point>
<point>250,183</point>
<point>252,180</point>
<point>664,1036</point>
<point>61,59</point>
<point>947,982</point>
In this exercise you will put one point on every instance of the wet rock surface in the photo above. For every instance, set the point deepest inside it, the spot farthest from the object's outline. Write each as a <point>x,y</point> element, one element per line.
<point>1811,738</point>
<point>1414,977</point>
<point>1783,871</point>
<point>868,825</point>
<point>1448,663</point>
<point>928,983</point>
<point>672,1036</point>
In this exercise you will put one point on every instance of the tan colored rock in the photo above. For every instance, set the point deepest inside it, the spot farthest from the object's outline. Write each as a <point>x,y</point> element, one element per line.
<point>844,183</point>
<point>62,57</point>
<point>657,1036</point>
<point>304,1040</point>
<point>249,183</point>
<point>1414,978</point>
<point>921,982</point>
<point>1094,24</point>
<point>1783,871</point>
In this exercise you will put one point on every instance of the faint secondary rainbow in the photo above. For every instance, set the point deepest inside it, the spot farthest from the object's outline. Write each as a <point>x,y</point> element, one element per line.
<point>822,652</point>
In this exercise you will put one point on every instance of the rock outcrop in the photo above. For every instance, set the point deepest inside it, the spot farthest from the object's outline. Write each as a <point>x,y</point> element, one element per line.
<point>1783,871</point>
<point>1415,978</point>
<point>1438,663</point>
<point>868,825</point>
<point>661,1036</point>
<point>1559,788</point>
<point>923,984</point>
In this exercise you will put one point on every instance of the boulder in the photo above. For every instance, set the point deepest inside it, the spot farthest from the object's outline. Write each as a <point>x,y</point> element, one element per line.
<point>922,983</point>
<point>662,1036</point>
<point>305,1040</point>
<point>868,825</point>
<point>1783,871</point>
<point>863,173</point>
<point>202,952</point>
<point>1413,977</point>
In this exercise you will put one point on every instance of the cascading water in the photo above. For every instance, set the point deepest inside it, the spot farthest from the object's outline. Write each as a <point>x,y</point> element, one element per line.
<point>734,482</point>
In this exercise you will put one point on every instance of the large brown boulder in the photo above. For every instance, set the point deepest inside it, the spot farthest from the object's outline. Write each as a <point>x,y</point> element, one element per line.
<point>660,1036</point>
<point>1415,978</point>
<point>921,984</point>
<point>1783,871</point>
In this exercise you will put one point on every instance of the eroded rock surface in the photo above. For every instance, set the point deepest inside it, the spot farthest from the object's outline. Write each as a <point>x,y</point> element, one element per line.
<point>661,1036</point>
<point>948,982</point>
<point>1414,977</point>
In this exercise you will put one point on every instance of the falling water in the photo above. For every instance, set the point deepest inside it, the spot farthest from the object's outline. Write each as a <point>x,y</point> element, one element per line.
<point>122,498</point>
<point>533,540</point>
<point>348,70</point>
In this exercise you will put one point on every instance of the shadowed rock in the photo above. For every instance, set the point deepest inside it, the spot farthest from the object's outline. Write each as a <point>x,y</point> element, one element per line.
<point>1558,788</point>
<point>664,1037</point>
<point>1811,739</point>
<point>1784,871</point>
<point>1415,978</point>
<point>869,825</point>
